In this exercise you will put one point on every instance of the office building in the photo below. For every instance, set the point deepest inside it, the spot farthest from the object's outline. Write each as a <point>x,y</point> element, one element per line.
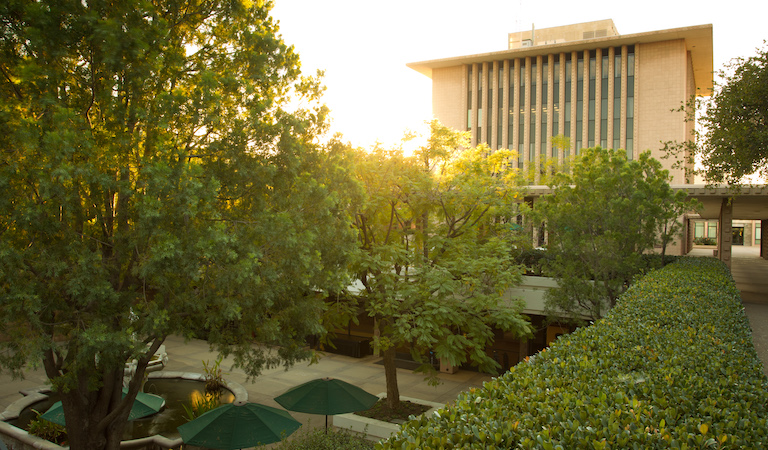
<point>585,82</point>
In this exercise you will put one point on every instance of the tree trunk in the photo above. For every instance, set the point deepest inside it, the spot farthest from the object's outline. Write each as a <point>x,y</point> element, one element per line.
<point>84,439</point>
<point>85,413</point>
<point>390,374</point>
<point>96,419</point>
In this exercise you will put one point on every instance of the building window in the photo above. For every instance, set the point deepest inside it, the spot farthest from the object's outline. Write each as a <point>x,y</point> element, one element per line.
<point>579,102</point>
<point>544,111</point>
<point>532,115</point>
<point>556,101</point>
<point>630,101</point>
<point>567,99</point>
<point>489,125</point>
<point>479,125</point>
<point>712,230</point>
<point>521,116</point>
<point>500,106</point>
<point>698,231</point>
<point>758,232</point>
<point>604,100</point>
<point>469,99</point>
<point>617,99</point>
<point>480,83</point>
<point>511,118</point>
<point>591,105</point>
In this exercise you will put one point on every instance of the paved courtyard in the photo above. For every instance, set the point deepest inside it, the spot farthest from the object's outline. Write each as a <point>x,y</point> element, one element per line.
<point>365,373</point>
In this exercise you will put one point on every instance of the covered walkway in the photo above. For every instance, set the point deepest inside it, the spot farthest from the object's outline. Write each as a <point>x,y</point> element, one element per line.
<point>723,204</point>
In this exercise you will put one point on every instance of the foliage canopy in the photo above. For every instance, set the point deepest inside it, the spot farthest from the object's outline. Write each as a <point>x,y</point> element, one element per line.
<point>602,217</point>
<point>153,181</point>
<point>732,142</point>
<point>435,251</point>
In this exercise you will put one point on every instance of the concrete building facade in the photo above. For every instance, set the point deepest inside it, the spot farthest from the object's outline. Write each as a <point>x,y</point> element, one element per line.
<point>585,82</point>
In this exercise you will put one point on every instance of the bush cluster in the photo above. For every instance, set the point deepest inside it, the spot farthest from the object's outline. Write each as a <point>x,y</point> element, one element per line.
<point>534,261</point>
<point>671,366</point>
<point>705,241</point>
<point>319,439</point>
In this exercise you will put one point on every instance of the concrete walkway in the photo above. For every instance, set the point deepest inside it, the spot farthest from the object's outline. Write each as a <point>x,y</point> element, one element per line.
<point>750,272</point>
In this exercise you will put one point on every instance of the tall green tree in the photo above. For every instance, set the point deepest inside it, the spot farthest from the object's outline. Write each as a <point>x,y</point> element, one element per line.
<point>435,257</point>
<point>731,141</point>
<point>153,182</point>
<point>602,217</point>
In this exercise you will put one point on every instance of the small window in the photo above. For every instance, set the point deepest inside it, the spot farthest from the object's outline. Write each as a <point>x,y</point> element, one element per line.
<point>698,230</point>
<point>712,230</point>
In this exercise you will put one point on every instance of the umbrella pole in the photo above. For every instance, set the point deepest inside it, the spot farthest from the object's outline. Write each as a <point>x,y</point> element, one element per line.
<point>326,424</point>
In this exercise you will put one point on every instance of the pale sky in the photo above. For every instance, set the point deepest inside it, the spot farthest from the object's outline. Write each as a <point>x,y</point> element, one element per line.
<point>364,46</point>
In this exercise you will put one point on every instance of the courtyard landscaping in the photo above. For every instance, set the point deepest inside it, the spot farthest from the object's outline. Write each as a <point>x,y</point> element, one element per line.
<point>671,366</point>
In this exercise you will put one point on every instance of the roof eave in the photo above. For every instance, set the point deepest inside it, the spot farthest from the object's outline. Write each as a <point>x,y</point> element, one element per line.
<point>698,41</point>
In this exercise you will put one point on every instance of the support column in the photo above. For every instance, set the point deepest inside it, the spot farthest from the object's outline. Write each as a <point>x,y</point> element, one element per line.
<point>687,236</point>
<point>523,349</point>
<point>725,235</point>
<point>376,334</point>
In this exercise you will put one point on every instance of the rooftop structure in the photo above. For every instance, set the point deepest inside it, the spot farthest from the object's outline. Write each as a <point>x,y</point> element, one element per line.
<point>558,35</point>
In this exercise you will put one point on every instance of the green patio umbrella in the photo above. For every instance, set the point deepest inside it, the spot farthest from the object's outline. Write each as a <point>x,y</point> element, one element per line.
<point>238,425</point>
<point>329,396</point>
<point>144,405</point>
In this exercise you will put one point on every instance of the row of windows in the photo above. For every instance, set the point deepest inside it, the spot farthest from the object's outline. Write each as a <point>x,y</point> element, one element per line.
<point>543,91</point>
<point>708,229</point>
<point>705,230</point>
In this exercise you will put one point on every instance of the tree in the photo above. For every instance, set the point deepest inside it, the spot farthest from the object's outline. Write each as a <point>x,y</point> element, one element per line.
<point>602,218</point>
<point>435,257</point>
<point>733,140</point>
<point>153,182</point>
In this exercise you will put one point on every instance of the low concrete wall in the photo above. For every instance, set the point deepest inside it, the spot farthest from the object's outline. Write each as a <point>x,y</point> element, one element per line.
<point>531,290</point>
<point>374,429</point>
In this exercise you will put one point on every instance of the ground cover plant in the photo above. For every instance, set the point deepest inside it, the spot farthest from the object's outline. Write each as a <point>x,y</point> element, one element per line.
<point>320,439</point>
<point>671,366</point>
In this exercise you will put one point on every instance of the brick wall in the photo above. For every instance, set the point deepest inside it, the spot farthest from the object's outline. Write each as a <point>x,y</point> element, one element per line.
<point>663,82</point>
<point>449,97</point>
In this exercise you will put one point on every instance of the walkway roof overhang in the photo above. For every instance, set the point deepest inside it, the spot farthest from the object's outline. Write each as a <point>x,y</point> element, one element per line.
<point>698,41</point>
<point>749,202</point>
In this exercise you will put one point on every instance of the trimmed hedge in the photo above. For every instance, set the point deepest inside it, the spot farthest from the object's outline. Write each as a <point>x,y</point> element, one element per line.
<point>671,366</point>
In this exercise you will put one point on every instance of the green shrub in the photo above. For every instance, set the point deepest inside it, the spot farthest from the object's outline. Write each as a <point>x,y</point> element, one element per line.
<point>214,376</point>
<point>656,261</point>
<point>532,259</point>
<point>47,430</point>
<point>671,366</point>
<point>705,241</point>
<point>198,407</point>
<point>319,439</point>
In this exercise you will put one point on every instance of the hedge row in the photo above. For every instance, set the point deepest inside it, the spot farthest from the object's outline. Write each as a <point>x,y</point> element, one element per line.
<point>671,366</point>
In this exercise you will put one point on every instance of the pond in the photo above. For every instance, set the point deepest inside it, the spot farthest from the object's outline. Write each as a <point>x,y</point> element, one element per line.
<point>177,392</point>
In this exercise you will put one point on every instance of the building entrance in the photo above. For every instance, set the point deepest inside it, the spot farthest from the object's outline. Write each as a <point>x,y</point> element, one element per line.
<point>738,235</point>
